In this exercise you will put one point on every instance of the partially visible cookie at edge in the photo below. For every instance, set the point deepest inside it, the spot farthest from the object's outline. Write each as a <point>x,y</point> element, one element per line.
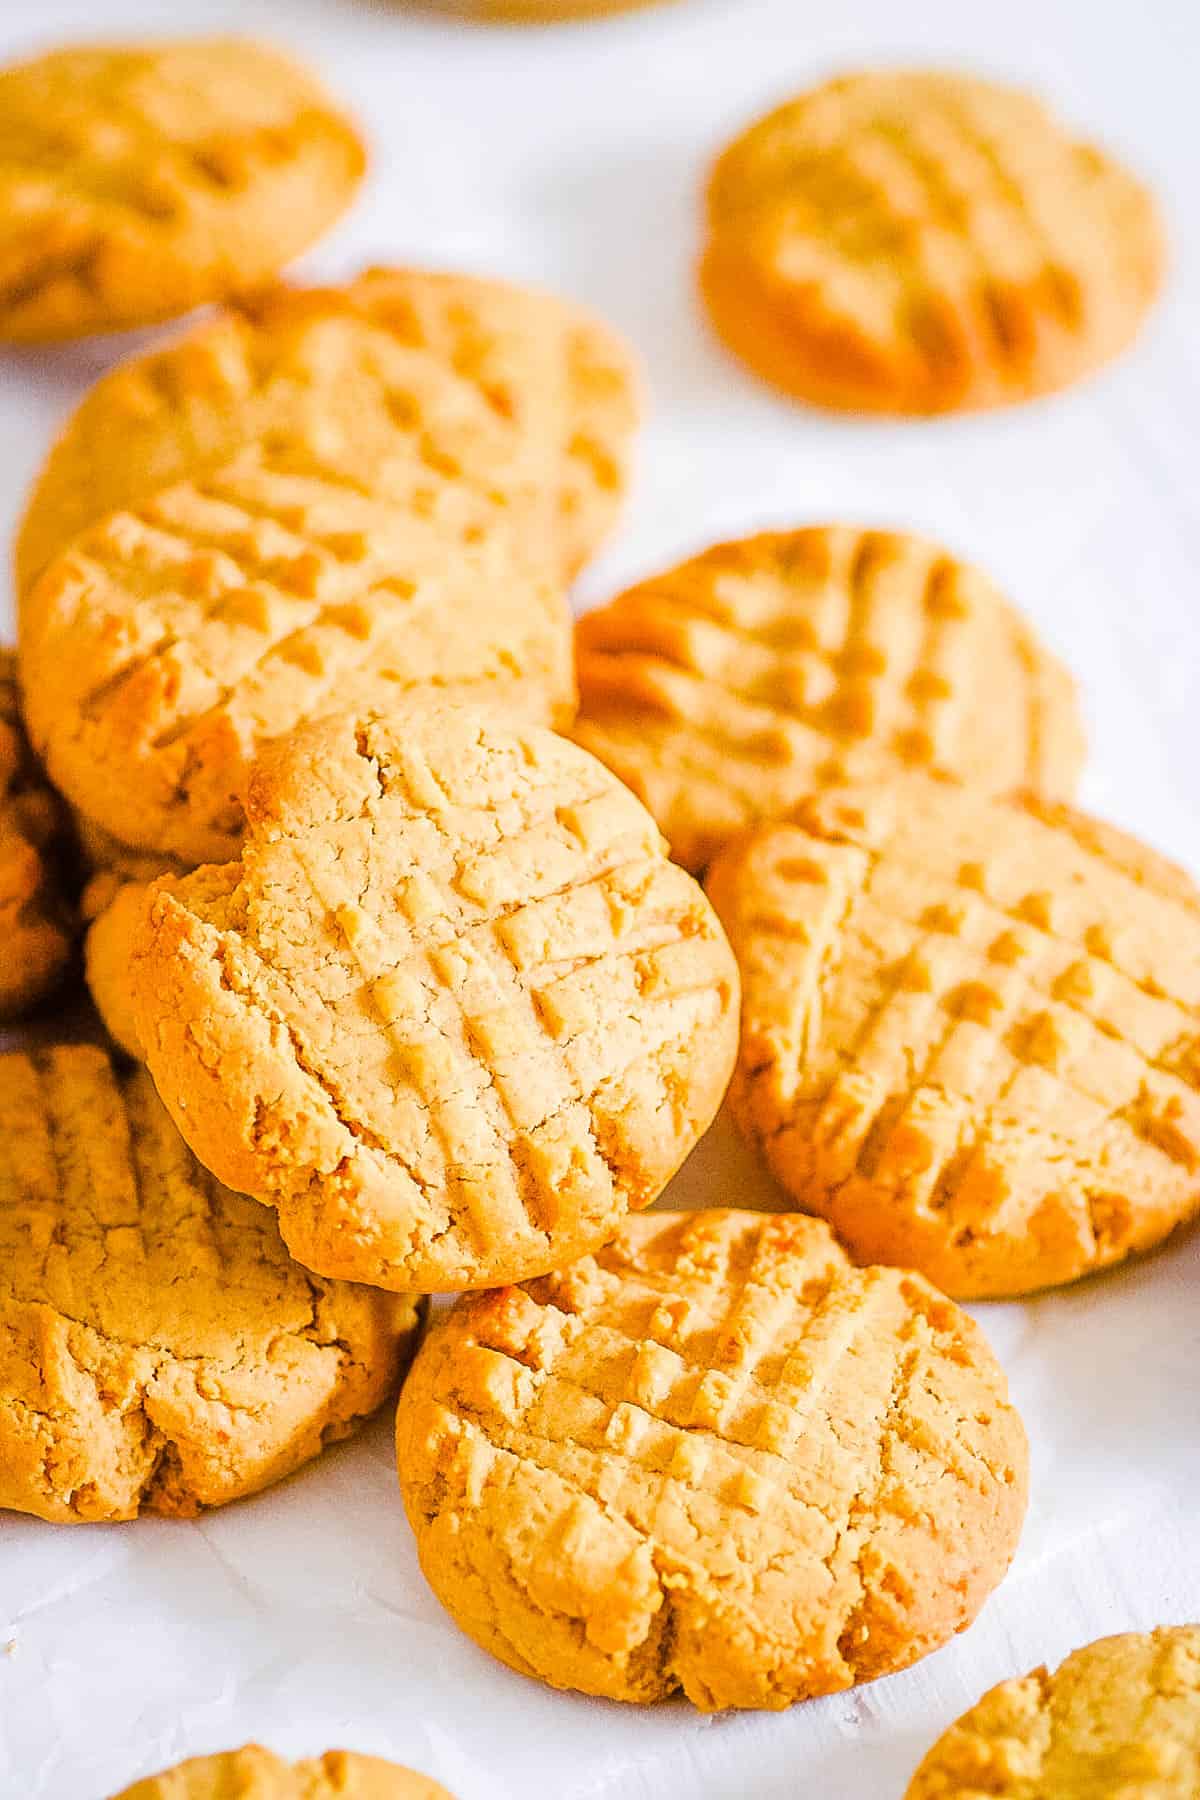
<point>159,1349</point>
<point>712,1458</point>
<point>1117,1719</point>
<point>253,1773</point>
<point>912,241</point>
<point>112,908</point>
<point>970,1030</point>
<point>139,180</point>
<point>725,689</point>
<point>453,1012</point>
<point>37,925</point>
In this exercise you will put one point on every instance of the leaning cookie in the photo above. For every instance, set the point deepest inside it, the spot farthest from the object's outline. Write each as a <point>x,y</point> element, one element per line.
<point>453,1012</point>
<point>140,180</point>
<point>253,1773</point>
<point>910,241</point>
<point>725,689</point>
<point>1118,1719</point>
<point>112,908</point>
<point>970,1030</point>
<point>530,378</point>
<point>36,920</point>
<point>159,1350</point>
<point>713,1458</point>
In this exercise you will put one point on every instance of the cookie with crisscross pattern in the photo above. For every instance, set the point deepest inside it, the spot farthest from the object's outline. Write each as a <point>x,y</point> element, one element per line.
<point>725,689</point>
<point>159,1349</point>
<point>713,1457</point>
<point>970,1030</point>
<point>916,242</point>
<point>140,180</point>
<point>1118,1720</point>
<point>454,1012</point>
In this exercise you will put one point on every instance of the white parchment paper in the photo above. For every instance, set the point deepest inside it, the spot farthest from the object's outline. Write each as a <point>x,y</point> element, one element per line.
<point>572,156</point>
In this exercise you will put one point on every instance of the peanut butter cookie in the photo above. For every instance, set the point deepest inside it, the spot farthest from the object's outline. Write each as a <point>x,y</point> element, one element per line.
<point>140,180</point>
<point>555,393</point>
<point>913,242</point>
<point>253,1773</point>
<point>1118,1720</point>
<point>169,642</point>
<point>36,926</point>
<point>724,690</point>
<point>970,1030</point>
<point>112,908</point>
<point>453,1013</point>
<point>159,1350</point>
<point>713,1457</point>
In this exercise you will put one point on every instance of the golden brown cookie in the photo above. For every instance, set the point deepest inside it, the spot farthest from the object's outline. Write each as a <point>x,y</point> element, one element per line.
<point>169,642</point>
<point>140,180</point>
<point>713,1457</point>
<point>159,1350</point>
<point>36,923</point>
<point>917,242</point>
<point>1118,1720</point>
<point>555,393</point>
<point>727,688</point>
<point>453,1013</point>
<point>112,908</point>
<point>970,1030</point>
<point>253,1773</point>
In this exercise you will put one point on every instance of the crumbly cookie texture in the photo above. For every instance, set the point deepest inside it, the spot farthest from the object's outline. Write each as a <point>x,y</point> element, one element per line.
<point>725,689</point>
<point>1118,1720</point>
<point>338,564</point>
<point>554,388</point>
<point>453,1013</point>
<point>159,1350</point>
<point>112,908</point>
<point>915,242</point>
<point>713,1457</point>
<point>140,180</point>
<point>253,1773</point>
<point>36,925</point>
<point>970,1030</point>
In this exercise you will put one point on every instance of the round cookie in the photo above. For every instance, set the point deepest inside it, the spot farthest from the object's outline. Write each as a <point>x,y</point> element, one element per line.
<point>112,908</point>
<point>453,1013</point>
<point>159,1350</point>
<point>970,1030</point>
<point>556,388</point>
<point>713,1457</point>
<point>253,1773</point>
<point>140,180</point>
<point>336,564</point>
<point>36,926</point>
<point>1118,1719</point>
<point>919,242</point>
<point>725,689</point>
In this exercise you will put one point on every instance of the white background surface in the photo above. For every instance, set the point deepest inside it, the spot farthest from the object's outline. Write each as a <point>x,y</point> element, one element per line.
<point>572,155</point>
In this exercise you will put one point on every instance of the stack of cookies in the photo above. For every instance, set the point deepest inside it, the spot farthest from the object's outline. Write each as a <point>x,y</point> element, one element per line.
<point>392,896</point>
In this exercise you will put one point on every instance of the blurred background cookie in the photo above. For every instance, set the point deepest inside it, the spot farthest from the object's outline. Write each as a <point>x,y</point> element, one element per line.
<point>159,1350</point>
<point>712,1458</point>
<point>725,689</point>
<point>253,1773</point>
<point>37,921</point>
<point>139,180</point>
<point>920,242</point>
<point>970,1030</point>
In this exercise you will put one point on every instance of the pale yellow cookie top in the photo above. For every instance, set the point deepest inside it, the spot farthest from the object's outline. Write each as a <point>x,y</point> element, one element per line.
<point>712,1457</point>
<point>1118,1720</point>
<point>970,1030</point>
<point>159,1349</point>
<point>917,241</point>
<point>453,1012</point>
<point>253,1773</point>
<point>36,926</point>
<point>139,180</point>
<point>724,689</point>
